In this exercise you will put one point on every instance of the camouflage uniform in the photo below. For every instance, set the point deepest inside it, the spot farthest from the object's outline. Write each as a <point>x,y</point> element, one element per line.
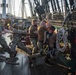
<point>33,37</point>
<point>3,43</point>
<point>17,34</point>
<point>41,31</point>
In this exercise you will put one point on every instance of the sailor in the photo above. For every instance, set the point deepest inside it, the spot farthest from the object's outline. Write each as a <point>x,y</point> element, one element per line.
<point>50,35</point>
<point>3,43</point>
<point>17,34</point>
<point>41,30</point>
<point>33,35</point>
<point>50,38</point>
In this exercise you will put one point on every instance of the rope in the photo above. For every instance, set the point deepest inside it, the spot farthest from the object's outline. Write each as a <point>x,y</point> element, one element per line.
<point>61,36</point>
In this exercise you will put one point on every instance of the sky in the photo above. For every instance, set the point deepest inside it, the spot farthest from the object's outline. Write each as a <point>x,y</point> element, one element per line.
<point>16,7</point>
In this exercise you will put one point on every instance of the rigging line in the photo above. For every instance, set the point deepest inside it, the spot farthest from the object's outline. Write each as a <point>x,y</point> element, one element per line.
<point>13,6</point>
<point>25,11</point>
<point>9,6</point>
<point>30,6</point>
<point>62,5</point>
<point>19,10</point>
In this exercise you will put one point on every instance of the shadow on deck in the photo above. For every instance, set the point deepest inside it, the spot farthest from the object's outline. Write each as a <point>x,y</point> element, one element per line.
<point>24,69</point>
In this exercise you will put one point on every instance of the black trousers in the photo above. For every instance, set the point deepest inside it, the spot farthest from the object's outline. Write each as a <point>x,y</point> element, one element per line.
<point>3,43</point>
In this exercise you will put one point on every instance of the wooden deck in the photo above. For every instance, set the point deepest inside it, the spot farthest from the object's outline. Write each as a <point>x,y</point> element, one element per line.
<point>21,69</point>
<point>46,70</point>
<point>24,69</point>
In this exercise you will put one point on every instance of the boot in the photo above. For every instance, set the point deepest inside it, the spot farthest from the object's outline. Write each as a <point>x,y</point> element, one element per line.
<point>41,52</point>
<point>13,56</point>
<point>29,51</point>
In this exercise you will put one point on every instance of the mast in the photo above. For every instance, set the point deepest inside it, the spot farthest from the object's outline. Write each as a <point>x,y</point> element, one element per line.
<point>23,6</point>
<point>4,9</point>
<point>31,9</point>
<point>59,10</point>
<point>75,2</point>
<point>14,7</point>
<point>62,5</point>
<point>52,5</point>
